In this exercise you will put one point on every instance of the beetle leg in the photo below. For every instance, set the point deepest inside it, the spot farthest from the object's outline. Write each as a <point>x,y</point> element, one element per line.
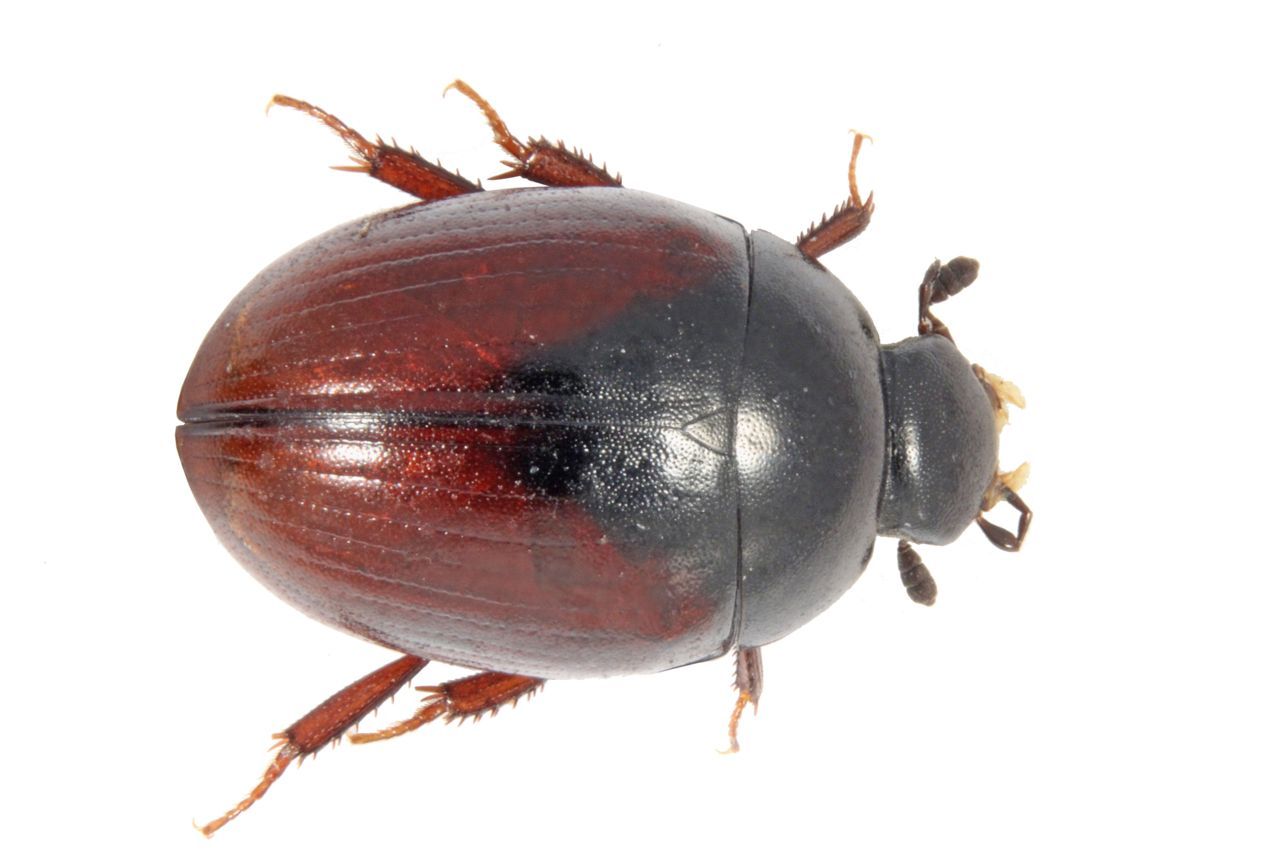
<point>919,583</point>
<point>456,700</point>
<point>942,281</point>
<point>324,724</point>
<point>539,160</point>
<point>847,221</point>
<point>750,683</point>
<point>998,536</point>
<point>405,170</point>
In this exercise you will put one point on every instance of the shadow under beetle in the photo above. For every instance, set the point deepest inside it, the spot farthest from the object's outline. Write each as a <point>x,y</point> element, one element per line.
<point>573,431</point>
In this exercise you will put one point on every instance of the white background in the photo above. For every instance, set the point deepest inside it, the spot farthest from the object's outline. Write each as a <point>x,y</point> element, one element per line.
<point>1113,687</point>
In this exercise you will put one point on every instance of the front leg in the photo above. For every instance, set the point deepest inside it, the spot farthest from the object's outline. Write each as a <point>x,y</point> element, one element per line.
<point>849,220</point>
<point>749,679</point>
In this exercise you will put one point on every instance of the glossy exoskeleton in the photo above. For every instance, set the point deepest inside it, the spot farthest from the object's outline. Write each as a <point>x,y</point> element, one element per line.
<point>573,431</point>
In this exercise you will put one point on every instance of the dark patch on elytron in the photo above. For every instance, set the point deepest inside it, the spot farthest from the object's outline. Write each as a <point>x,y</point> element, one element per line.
<point>632,421</point>
<point>548,379</point>
<point>553,461</point>
<point>554,465</point>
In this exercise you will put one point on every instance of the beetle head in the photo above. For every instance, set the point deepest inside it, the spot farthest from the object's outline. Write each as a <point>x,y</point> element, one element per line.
<point>943,419</point>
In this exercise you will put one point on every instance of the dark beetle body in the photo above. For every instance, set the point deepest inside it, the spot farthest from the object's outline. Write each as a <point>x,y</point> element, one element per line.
<point>554,432</point>
<point>573,431</point>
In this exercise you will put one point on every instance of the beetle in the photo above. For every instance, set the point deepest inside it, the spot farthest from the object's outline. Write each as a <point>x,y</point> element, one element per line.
<point>573,430</point>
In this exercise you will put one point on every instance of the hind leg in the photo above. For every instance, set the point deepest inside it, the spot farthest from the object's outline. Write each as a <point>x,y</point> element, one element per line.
<point>324,724</point>
<point>405,170</point>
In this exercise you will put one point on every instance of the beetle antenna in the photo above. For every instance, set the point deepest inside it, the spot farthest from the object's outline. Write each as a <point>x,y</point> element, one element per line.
<point>915,575</point>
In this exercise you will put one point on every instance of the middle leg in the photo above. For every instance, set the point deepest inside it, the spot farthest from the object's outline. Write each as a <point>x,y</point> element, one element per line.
<point>454,700</point>
<point>537,159</point>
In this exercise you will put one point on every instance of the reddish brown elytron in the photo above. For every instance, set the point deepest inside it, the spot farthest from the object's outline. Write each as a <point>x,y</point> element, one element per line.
<point>491,429</point>
<point>368,436</point>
